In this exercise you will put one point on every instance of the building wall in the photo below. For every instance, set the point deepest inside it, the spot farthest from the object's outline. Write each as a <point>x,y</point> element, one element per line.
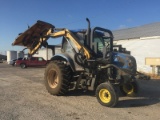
<point>43,53</point>
<point>142,48</point>
<point>11,55</point>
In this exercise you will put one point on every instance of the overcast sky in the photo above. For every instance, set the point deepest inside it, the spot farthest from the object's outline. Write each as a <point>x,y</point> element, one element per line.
<point>16,15</point>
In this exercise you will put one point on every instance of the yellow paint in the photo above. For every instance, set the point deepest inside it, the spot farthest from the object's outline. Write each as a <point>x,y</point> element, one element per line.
<point>105,95</point>
<point>61,33</point>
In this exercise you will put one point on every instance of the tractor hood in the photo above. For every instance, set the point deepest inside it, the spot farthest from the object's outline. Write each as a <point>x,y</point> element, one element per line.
<point>35,36</point>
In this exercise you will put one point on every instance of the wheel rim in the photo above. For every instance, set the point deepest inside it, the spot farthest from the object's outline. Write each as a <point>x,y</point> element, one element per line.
<point>53,78</point>
<point>129,88</point>
<point>105,95</point>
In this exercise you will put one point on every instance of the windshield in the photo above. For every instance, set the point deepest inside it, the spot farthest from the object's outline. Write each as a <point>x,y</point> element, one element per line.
<point>103,40</point>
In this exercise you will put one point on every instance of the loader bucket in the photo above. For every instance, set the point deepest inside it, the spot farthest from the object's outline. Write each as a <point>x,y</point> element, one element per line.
<point>35,36</point>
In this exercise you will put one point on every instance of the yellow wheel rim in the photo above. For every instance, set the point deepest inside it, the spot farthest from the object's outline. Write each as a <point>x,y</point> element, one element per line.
<point>52,78</point>
<point>105,95</point>
<point>129,88</point>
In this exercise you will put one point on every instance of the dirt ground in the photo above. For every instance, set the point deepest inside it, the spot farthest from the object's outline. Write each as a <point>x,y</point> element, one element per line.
<point>23,97</point>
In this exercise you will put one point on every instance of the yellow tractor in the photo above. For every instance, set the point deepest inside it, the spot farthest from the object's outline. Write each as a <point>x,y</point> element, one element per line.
<point>88,61</point>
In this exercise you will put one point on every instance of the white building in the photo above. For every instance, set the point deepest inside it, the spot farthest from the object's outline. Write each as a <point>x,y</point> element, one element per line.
<point>47,54</point>
<point>11,55</point>
<point>142,41</point>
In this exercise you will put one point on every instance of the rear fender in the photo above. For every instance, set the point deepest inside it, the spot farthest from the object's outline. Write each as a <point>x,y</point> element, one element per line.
<point>66,58</point>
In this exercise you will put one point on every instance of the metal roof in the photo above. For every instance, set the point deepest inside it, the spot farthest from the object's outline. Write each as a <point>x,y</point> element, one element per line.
<point>147,30</point>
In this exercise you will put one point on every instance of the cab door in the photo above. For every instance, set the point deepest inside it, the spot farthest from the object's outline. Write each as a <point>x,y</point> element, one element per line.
<point>69,48</point>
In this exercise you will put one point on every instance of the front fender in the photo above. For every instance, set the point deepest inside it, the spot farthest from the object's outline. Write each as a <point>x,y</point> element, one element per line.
<point>65,57</point>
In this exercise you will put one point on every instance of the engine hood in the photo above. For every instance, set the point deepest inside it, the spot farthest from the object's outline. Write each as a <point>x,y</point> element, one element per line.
<point>125,61</point>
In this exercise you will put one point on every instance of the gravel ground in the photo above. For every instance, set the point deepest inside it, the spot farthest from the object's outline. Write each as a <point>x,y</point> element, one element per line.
<point>23,97</point>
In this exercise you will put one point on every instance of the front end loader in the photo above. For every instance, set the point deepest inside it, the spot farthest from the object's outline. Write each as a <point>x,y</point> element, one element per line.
<point>87,61</point>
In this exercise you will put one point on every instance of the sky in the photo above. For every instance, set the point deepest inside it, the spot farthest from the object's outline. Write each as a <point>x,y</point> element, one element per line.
<point>16,15</point>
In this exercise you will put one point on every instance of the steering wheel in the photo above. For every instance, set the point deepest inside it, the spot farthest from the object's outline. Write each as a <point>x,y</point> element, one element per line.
<point>80,59</point>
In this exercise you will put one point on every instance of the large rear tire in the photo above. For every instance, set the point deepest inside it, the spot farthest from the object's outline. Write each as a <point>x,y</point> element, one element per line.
<point>107,95</point>
<point>130,89</point>
<point>57,76</point>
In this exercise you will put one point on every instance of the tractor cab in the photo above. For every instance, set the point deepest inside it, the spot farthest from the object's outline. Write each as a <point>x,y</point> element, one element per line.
<point>100,39</point>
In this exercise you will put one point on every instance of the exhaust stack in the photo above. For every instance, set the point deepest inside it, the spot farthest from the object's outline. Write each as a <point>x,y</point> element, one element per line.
<point>88,32</point>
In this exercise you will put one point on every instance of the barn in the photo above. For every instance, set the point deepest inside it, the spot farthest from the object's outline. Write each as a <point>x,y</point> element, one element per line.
<point>143,42</point>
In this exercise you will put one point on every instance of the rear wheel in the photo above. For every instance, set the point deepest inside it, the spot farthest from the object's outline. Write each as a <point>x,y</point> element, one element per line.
<point>57,76</point>
<point>23,65</point>
<point>106,95</point>
<point>130,89</point>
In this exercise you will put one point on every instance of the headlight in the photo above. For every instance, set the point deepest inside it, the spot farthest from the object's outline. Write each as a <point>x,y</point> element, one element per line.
<point>129,61</point>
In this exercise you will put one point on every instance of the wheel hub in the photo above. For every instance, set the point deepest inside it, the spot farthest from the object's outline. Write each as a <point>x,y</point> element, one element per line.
<point>104,95</point>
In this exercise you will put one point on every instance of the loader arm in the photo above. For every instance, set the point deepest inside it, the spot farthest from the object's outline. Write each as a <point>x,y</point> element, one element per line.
<point>33,49</point>
<point>39,33</point>
<point>68,34</point>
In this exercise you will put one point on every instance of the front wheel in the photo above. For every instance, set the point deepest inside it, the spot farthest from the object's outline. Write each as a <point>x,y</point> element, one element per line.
<point>130,89</point>
<point>107,95</point>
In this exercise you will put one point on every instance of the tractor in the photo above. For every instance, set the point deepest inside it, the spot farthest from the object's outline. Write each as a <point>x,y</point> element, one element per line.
<point>88,61</point>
